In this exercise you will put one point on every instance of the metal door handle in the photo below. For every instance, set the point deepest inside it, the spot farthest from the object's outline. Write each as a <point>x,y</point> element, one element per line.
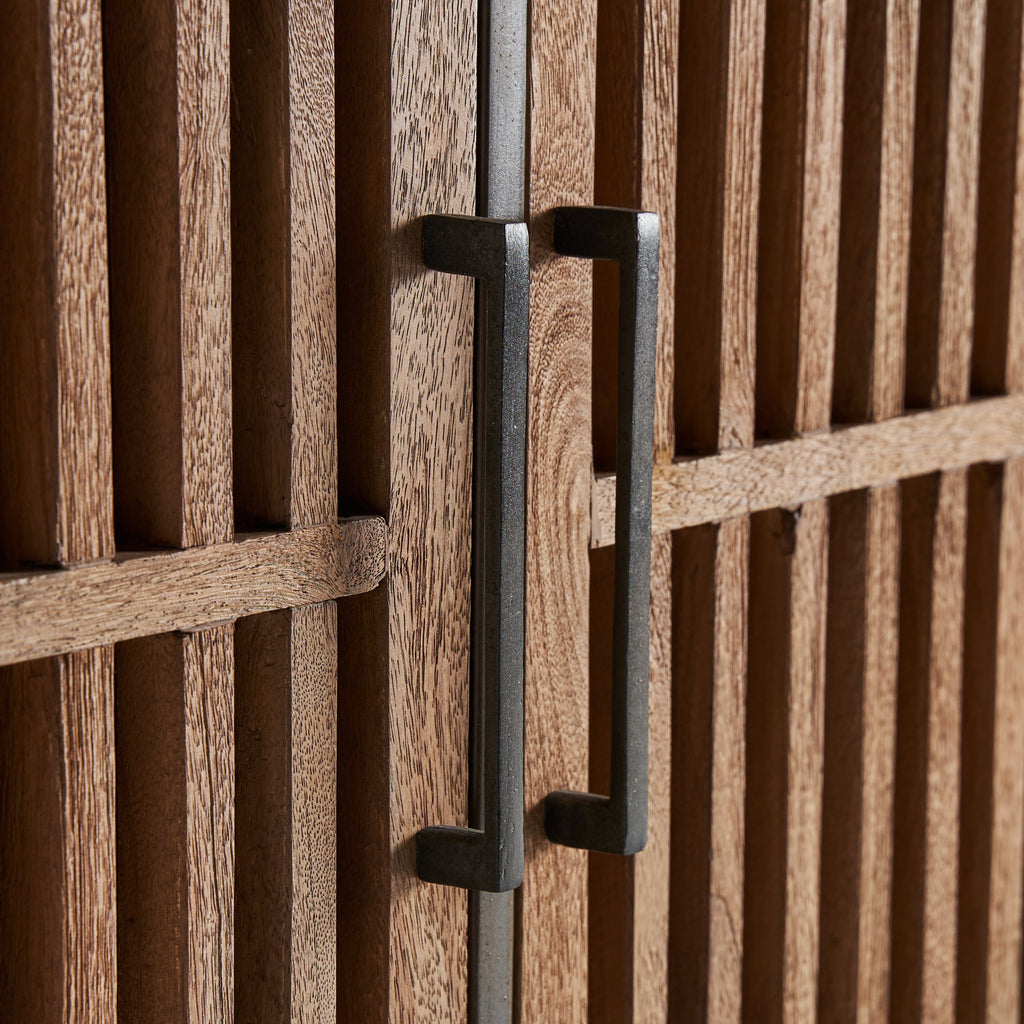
<point>498,254</point>
<point>618,823</point>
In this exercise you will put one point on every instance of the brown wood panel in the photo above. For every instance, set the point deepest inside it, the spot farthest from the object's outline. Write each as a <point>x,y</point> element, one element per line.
<point>553,900</point>
<point>721,66</point>
<point>55,420</point>
<point>1015,317</point>
<point>860,745</point>
<point>927,791</point>
<point>283,263</point>
<point>45,613</point>
<point>718,487</point>
<point>785,738</point>
<point>798,233</point>
<point>991,834</point>
<point>57,891</point>
<point>708,771</point>
<point>175,827</point>
<point>286,729</point>
<point>947,130</point>
<point>168,148</point>
<point>406,136</point>
<point>996,352</point>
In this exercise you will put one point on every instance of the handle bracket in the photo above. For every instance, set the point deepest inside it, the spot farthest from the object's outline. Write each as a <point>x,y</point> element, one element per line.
<point>496,253</point>
<point>618,823</point>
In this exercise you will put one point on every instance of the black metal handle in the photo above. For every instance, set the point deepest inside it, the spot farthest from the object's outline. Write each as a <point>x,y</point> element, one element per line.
<point>498,254</point>
<point>618,823</point>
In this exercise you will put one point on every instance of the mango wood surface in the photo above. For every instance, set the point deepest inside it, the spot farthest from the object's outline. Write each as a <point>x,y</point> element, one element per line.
<point>718,487</point>
<point>992,777</point>
<point>167,85</point>
<point>175,827</point>
<point>45,612</point>
<point>553,901</point>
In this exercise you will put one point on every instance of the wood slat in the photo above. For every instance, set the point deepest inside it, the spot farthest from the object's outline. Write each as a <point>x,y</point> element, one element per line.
<point>709,601</point>
<point>45,613</point>
<point>991,834</point>
<point>721,66</point>
<point>55,423</point>
<point>719,487</point>
<point>927,792</point>
<point>404,333</point>
<point>798,233</point>
<point>168,146</point>
<point>286,727</point>
<point>553,903</point>
<point>175,827</point>
<point>283,219</point>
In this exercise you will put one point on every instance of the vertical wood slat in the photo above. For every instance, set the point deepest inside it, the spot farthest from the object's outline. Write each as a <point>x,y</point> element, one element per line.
<point>285,415</point>
<point>863,626</point>
<point>715,341</point>
<point>709,638</point>
<point>57,880</point>
<point>175,828</point>
<point>797,291</point>
<point>927,790</point>
<point>553,899</point>
<point>168,146</point>
<point>286,680</point>
<point>634,166</point>
<point>992,773</point>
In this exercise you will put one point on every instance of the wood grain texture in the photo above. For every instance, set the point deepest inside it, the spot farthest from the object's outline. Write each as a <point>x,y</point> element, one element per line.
<point>710,565</point>
<point>798,233</point>
<point>1015,317</point>
<point>55,425</point>
<point>168,143</point>
<point>57,891</point>
<point>927,790</point>
<point>719,487</point>
<point>553,904</point>
<point>940,317</point>
<point>433,111</point>
<point>283,216</point>
<point>874,240</point>
<point>860,745</point>
<point>286,727</point>
<point>996,352</point>
<point>721,86</point>
<point>992,773</point>
<point>175,827</point>
<point>785,752</point>
<point>45,613</point>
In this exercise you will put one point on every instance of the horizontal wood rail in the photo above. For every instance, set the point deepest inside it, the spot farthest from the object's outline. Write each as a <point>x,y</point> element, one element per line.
<point>714,488</point>
<point>55,611</point>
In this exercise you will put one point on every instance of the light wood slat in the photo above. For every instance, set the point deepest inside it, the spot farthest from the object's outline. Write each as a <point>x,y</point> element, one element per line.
<point>798,232</point>
<point>175,828</point>
<point>785,726</point>
<point>721,53</point>
<point>991,829</point>
<point>286,684</point>
<point>57,892</point>
<point>283,263</point>
<point>996,351</point>
<point>168,144</point>
<point>943,235</point>
<point>55,427</point>
<point>927,792</point>
<point>46,613</point>
<point>708,772</point>
<point>860,743</point>
<point>719,487</point>
<point>553,948</point>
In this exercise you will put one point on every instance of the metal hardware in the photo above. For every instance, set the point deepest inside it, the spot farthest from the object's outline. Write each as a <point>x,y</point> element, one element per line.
<point>490,858</point>
<point>618,823</point>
